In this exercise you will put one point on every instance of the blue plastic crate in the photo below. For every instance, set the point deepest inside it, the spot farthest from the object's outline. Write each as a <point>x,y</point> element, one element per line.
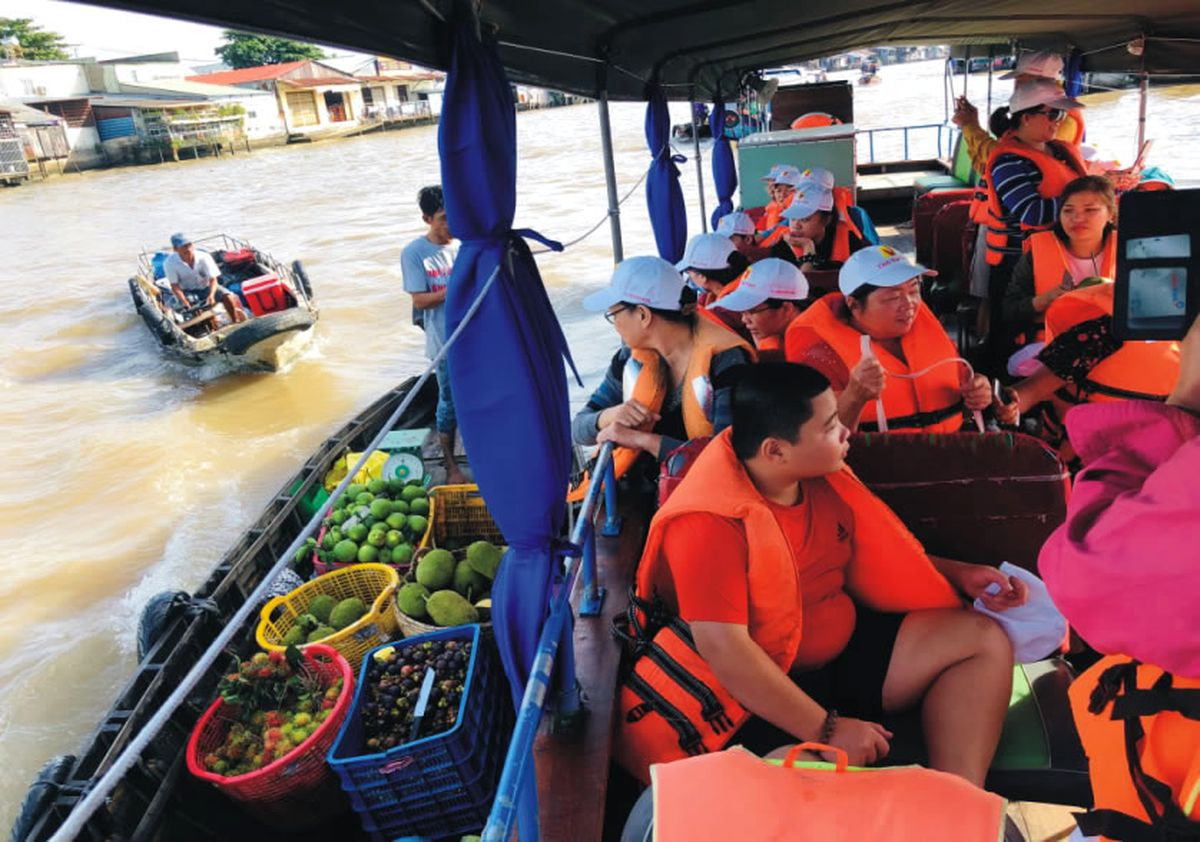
<point>438,785</point>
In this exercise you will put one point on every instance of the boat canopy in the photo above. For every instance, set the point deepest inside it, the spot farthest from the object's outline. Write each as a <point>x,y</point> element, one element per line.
<point>694,49</point>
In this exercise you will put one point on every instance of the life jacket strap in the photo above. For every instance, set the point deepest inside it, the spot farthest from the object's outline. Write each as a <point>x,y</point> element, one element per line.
<point>916,420</point>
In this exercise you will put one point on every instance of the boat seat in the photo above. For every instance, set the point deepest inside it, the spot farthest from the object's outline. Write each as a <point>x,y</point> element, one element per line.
<point>931,183</point>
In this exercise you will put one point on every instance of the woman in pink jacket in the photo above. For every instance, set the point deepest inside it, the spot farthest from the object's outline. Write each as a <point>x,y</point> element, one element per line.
<point>1124,567</point>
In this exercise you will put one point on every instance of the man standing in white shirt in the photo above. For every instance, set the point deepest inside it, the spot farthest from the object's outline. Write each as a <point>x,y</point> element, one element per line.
<point>193,276</point>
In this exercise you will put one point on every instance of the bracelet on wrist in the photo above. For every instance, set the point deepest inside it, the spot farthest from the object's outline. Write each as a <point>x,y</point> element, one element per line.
<point>829,726</point>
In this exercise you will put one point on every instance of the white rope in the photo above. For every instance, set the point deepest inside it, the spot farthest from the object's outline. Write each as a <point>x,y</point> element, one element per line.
<point>83,809</point>
<point>881,417</point>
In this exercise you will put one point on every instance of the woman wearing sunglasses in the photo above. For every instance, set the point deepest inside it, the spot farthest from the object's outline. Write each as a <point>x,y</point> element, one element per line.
<point>1026,174</point>
<point>668,383</point>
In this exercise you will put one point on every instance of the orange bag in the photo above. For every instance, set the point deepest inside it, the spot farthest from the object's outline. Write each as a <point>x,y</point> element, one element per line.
<point>736,795</point>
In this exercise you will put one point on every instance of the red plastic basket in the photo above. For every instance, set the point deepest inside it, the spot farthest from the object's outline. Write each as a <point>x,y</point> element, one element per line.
<point>298,788</point>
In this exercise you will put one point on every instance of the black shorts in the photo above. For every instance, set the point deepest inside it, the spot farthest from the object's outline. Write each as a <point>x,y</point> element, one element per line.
<point>851,684</point>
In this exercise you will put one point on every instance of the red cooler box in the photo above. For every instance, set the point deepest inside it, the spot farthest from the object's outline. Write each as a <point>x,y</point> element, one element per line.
<point>265,294</point>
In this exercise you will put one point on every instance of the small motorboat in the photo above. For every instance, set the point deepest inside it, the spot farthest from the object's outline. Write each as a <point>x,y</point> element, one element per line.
<point>277,300</point>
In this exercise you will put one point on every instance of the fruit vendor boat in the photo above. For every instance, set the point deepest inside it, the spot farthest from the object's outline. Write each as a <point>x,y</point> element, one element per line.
<point>277,299</point>
<point>985,497</point>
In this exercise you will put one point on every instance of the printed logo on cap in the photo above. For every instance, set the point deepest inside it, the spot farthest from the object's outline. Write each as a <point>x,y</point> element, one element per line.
<point>887,251</point>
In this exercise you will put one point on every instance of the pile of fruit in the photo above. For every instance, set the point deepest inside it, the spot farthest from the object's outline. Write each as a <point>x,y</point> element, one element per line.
<point>278,701</point>
<point>382,521</point>
<point>449,592</point>
<point>325,616</point>
<point>394,676</point>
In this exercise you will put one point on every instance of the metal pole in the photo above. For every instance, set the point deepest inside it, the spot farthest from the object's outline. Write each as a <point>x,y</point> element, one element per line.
<point>966,69</point>
<point>991,61</point>
<point>1143,95</point>
<point>699,170</point>
<point>610,178</point>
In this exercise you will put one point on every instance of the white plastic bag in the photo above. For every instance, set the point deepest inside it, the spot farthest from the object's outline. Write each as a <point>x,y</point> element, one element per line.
<point>1036,628</point>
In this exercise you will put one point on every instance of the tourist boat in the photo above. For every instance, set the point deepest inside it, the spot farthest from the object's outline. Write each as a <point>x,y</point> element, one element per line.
<point>999,492</point>
<point>276,298</point>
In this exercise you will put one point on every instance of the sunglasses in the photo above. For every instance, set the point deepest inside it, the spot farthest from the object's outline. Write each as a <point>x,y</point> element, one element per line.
<point>1052,114</point>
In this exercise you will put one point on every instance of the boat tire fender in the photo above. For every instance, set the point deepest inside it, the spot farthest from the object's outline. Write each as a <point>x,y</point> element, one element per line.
<point>162,610</point>
<point>41,793</point>
<point>259,328</point>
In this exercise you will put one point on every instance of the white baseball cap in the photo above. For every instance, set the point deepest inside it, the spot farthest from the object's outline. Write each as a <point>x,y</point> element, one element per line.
<point>768,278</point>
<point>880,266</point>
<point>807,200</point>
<point>1038,63</point>
<point>735,223</point>
<point>1035,92</point>
<point>646,280</point>
<point>772,174</point>
<point>787,174</point>
<point>707,251</point>
<point>817,176</point>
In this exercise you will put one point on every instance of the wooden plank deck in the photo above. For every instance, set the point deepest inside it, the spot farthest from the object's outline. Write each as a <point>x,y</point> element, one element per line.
<point>572,773</point>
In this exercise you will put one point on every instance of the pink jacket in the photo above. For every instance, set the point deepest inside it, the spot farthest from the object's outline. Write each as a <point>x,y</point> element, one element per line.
<point>1125,567</point>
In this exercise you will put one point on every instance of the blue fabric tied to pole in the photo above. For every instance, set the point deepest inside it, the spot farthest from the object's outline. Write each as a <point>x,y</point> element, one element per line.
<point>506,370</point>
<point>664,196</point>
<point>723,170</point>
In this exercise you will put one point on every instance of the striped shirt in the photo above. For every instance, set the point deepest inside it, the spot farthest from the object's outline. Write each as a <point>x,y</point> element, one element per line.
<point>1016,180</point>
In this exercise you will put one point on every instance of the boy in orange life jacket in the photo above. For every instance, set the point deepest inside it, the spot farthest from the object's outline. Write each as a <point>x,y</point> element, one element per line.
<point>768,297</point>
<point>909,367</point>
<point>808,602</point>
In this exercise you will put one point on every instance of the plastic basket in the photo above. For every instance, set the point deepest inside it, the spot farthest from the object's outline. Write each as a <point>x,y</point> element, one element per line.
<point>295,790</point>
<point>320,568</point>
<point>410,626</point>
<point>374,584</point>
<point>441,785</point>
<point>458,511</point>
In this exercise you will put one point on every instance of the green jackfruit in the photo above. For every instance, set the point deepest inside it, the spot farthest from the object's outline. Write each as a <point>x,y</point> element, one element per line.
<point>436,570</point>
<point>320,633</point>
<point>411,600</point>
<point>469,583</point>
<point>484,558</point>
<point>321,606</point>
<point>448,608</point>
<point>294,636</point>
<point>347,612</point>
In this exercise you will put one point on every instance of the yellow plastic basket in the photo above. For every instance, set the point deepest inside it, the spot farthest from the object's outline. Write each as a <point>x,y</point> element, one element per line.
<point>458,511</point>
<point>374,584</point>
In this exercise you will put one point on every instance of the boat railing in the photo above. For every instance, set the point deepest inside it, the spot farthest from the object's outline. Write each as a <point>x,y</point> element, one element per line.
<point>576,564</point>
<point>935,140</point>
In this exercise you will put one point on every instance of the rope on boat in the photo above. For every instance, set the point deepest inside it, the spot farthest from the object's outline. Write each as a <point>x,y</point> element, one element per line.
<point>77,819</point>
<point>604,218</point>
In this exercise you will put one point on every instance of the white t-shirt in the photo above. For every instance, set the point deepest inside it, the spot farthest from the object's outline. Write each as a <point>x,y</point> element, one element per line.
<point>191,278</point>
<point>1082,267</point>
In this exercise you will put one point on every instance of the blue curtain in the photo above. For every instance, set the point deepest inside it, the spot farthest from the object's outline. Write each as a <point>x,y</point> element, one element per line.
<point>506,370</point>
<point>1073,74</point>
<point>668,216</point>
<point>723,170</point>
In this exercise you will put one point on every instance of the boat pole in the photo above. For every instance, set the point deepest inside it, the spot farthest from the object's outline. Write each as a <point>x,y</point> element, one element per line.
<point>610,172</point>
<point>966,69</point>
<point>699,167</point>
<point>1143,96</point>
<point>991,61</point>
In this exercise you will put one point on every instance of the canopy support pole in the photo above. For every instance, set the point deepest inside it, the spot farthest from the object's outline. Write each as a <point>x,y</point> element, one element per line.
<point>966,70</point>
<point>1143,96</point>
<point>991,61</point>
<point>610,176</point>
<point>699,170</point>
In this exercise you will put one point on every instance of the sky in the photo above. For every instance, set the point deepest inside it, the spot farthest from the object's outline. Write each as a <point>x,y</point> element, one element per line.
<point>93,31</point>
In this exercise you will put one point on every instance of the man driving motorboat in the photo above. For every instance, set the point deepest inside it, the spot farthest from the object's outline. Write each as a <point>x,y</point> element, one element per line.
<point>194,279</point>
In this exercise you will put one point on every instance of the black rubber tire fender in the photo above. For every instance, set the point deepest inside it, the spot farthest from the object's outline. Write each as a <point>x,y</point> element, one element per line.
<point>259,328</point>
<point>154,318</point>
<point>41,793</point>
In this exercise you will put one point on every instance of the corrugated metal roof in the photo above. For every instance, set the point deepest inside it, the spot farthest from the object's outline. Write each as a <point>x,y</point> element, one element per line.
<point>28,116</point>
<point>186,86</point>
<point>321,82</point>
<point>249,74</point>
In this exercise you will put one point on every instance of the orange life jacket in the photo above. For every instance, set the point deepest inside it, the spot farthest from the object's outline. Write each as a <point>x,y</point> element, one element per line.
<point>769,217</point>
<point>931,403</point>
<point>1050,260</point>
<point>1140,727</point>
<point>1137,370</point>
<point>654,382</point>
<point>670,703</point>
<point>1056,175</point>
<point>735,795</point>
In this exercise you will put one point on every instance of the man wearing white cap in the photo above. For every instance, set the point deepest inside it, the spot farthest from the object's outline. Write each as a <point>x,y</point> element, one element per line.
<point>883,351</point>
<point>770,215</point>
<point>738,227</point>
<point>768,297</point>
<point>664,384</point>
